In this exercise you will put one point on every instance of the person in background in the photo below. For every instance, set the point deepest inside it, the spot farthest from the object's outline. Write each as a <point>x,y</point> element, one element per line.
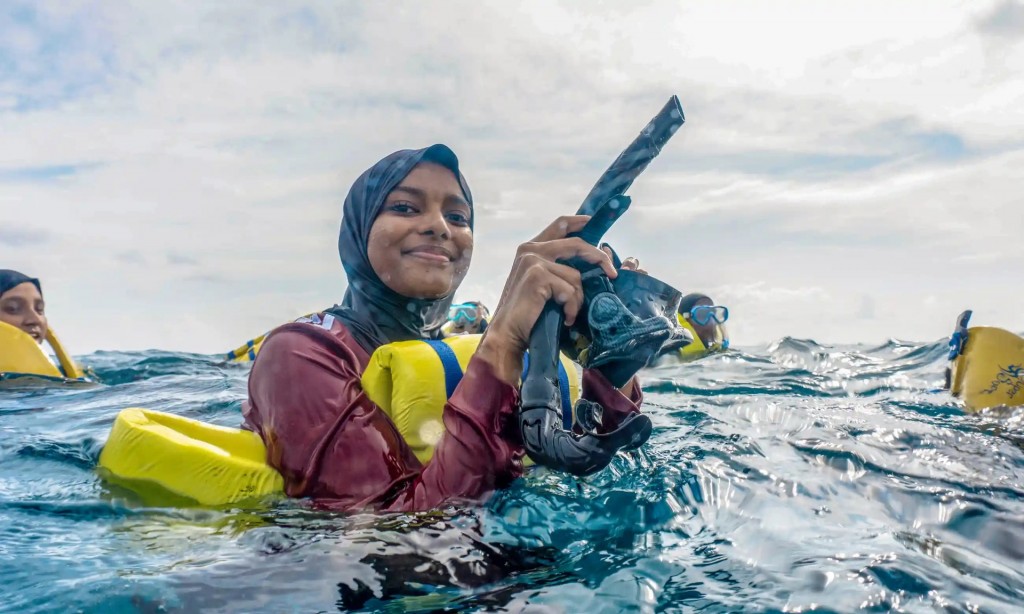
<point>469,318</point>
<point>706,320</point>
<point>22,305</point>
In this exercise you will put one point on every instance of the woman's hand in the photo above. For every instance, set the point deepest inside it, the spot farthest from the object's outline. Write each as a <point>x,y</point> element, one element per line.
<point>629,264</point>
<point>535,279</point>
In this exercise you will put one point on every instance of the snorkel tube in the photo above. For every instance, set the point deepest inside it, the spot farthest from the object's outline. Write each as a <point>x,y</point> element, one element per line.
<point>616,339</point>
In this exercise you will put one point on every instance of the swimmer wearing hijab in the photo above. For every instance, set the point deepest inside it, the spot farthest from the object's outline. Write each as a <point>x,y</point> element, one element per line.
<point>22,305</point>
<point>406,242</point>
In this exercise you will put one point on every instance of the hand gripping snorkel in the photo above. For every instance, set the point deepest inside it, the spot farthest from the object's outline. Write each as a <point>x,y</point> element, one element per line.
<point>621,326</point>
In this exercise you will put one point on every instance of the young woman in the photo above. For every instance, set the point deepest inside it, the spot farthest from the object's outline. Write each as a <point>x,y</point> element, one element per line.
<point>406,243</point>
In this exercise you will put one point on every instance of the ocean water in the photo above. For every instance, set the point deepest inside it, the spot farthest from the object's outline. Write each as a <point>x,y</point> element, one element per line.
<point>789,477</point>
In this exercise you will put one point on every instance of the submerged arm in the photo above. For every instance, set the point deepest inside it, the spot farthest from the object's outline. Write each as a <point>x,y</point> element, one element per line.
<point>617,403</point>
<point>478,452</point>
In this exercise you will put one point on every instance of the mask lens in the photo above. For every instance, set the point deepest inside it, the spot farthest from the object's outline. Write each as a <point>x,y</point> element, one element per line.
<point>466,313</point>
<point>702,314</point>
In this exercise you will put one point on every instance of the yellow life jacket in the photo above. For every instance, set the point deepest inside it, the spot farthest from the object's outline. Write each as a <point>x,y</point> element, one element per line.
<point>248,351</point>
<point>697,348</point>
<point>209,464</point>
<point>21,355</point>
<point>987,370</point>
<point>214,465</point>
<point>412,380</point>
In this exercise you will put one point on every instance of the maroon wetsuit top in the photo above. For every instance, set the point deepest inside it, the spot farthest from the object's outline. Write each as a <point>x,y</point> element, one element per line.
<point>332,444</point>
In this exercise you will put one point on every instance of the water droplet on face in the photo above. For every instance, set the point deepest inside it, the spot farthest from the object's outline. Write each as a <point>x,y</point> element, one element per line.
<point>387,276</point>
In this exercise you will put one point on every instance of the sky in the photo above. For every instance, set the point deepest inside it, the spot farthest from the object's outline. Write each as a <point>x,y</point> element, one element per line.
<point>850,171</point>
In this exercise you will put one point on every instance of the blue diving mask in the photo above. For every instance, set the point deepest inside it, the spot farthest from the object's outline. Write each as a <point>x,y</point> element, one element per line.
<point>702,314</point>
<point>466,312</point>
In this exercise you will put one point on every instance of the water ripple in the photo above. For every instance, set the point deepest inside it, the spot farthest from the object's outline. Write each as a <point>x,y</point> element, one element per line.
<point>781,478</point>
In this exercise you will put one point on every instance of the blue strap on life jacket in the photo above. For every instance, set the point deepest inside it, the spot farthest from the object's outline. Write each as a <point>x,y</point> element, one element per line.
<point>453,375</point>
<point>452,370</point>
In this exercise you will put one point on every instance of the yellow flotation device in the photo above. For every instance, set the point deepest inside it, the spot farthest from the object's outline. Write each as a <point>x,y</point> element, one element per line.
<point>987,366</point>
<point>248,351</point>
<point>410,381</point>
<point>209,464</point>
<point>697,348</point>
<point>21,355</point>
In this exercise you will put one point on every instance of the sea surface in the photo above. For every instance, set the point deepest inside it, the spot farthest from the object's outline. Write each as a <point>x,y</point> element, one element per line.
<point>789,477</point>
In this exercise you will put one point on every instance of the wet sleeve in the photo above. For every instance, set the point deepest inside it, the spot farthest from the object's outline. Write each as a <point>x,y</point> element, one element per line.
<point>322,434</point>
<point>480,451</point>
<point>331,443</point>
<point>616,405</point>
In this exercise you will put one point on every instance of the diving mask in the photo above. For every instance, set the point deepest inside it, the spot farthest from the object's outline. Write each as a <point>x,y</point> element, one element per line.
<point>619,342</point>
<point>719,340</point>
<point>702,314</point>
<point>466,312</point>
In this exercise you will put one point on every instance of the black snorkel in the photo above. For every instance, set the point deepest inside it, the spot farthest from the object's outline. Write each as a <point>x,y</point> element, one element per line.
<point>621,327</point>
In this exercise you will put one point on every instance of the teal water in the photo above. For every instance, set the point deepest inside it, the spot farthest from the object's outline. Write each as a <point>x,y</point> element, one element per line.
<point>788,477</point>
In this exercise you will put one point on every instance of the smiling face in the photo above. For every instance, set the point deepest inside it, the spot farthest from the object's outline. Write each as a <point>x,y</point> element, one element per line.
<point>421,243</point>
<point>22,307</point>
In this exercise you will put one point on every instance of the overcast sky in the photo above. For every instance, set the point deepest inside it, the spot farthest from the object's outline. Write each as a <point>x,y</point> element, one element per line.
<point>849,171</point>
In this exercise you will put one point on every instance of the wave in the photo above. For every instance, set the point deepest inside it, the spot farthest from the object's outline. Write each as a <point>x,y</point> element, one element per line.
<point>779,477</point>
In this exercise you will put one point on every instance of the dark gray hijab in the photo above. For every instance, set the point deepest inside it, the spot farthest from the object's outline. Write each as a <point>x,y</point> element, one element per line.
<point>10,279</point>
<point>373,313</point>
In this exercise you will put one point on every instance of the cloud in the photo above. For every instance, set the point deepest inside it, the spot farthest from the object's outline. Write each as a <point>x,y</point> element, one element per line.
<point>207,278</point>
<point>174,258</point>
<point>760,292</point>
<point>867,308</point>
<point>1006,20</point>
<point>37,173</point>
<point>22,237</point>
<point>130,257</point>
<point>859,150</point>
